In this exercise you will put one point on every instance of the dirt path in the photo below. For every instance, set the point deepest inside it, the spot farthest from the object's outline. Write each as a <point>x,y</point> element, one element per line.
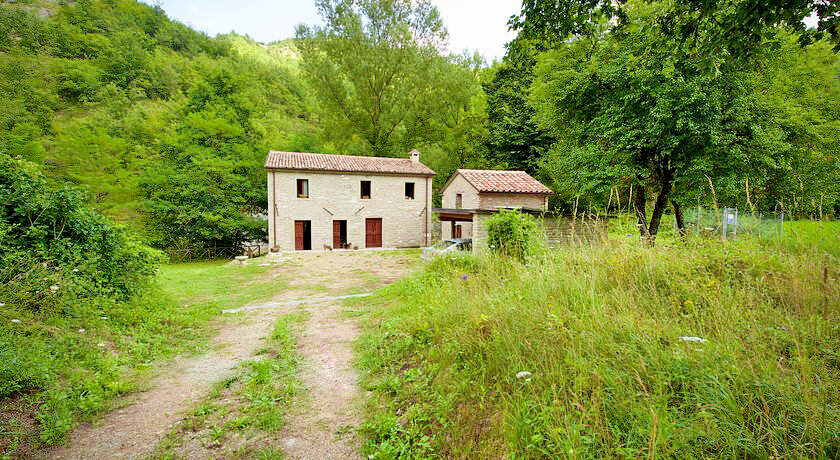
<point>314,429</point>
<point>322,426</point>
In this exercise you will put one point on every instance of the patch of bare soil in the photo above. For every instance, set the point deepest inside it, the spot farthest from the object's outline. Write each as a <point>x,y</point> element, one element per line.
<point>323,424</point>
<point>319,425</point>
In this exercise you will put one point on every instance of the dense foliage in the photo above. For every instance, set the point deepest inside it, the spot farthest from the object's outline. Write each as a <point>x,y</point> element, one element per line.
<point>159,121</point>
<point>515,140</point>
<point>384,85</point>
<point>50,238</point>
<point>665,102</point>
<point>513,233</point>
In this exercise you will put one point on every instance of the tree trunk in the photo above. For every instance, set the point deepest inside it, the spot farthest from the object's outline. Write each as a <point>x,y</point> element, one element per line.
<point>659,206</point>
<point>641,215</point>
<point>678,215</point>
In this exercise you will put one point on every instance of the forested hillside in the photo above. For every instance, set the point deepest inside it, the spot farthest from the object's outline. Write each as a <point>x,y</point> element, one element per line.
<point>168,128</point>
<point>154,118</point>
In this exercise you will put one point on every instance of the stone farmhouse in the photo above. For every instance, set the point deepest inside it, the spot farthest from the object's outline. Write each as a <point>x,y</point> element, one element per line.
<point>470,195</point>
<point>316,201</point>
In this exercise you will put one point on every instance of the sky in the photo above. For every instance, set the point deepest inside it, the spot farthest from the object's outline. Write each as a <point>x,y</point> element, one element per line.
<point>474,25</point>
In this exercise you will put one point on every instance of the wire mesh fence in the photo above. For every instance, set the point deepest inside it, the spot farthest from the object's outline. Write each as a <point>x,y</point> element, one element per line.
<point>730,222</point>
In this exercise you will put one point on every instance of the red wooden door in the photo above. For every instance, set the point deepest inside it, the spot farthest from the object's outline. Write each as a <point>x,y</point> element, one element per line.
<point>299,235</point>
<point>373,233</point>
<point>337,234</point>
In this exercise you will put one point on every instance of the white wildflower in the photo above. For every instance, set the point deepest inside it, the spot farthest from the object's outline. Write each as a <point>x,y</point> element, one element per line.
<point>103,318</point>
<point>100,344</point>
<point>54,288</point>
<point>2,304</point>
<point>81,331</point>
<point>15,320</point>
<point>75,270</point>
<point>692,339</point>
<point>524,375</point>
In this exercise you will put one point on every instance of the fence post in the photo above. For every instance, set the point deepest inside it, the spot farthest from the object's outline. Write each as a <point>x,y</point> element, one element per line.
<point>698,220</point>
<point>782,224</point>
<point>735,226</point>
<point>723,223</point>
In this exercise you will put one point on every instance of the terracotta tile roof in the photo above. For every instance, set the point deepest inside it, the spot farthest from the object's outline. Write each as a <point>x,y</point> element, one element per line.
<point>298,161</point>
<point>503,181</point>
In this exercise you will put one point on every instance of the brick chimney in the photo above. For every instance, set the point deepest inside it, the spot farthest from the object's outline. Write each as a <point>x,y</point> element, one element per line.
<point>414,155</point>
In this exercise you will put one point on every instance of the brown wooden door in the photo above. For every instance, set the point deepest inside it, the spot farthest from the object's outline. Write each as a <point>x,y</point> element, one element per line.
<point>299,235</point>
<point>457,232</point>
<point>373,233</point>
<point>337,243</point>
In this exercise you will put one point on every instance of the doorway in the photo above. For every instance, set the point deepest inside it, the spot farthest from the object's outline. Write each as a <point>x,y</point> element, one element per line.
<point>303,235</point>
<point>339,234</point>
<point>373,233</point>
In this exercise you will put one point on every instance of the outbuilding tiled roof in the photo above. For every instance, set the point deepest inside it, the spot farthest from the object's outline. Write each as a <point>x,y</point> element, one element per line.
<point>297,161</point>
<point>503,181</point>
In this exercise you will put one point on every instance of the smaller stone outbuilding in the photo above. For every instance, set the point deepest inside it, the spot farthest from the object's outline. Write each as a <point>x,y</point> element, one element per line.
<point>471,194</point>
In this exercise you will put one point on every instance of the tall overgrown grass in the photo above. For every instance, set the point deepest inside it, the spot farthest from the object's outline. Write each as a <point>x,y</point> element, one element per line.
<point>594,333</point>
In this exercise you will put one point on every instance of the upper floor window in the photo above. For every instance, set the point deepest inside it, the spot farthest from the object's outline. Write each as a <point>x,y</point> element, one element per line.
<point>303,188</point>
<point>365,192</point>
<point>458,199</point>
<point>409,190</point>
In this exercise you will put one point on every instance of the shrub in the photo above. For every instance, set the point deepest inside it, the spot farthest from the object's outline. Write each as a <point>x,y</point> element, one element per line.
<point>514,234</point>
<point>48,231</point>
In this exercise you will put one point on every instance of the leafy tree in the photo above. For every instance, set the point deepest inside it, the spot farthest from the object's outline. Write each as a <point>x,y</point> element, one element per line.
<point>635,119</point>
<point>375,67</point>
<point>654,95</point>
<point>515,140</point>
<point>733,27</point>
<point>208,186</point>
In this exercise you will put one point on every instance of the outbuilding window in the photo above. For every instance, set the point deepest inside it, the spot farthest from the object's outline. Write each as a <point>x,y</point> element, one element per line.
<point>409,190</point>
<point>458,200</point>
<point>365,192</point>
<point>303,188</point>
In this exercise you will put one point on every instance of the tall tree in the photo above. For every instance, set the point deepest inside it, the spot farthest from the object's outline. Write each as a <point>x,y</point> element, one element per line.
<point>514,140</point>
<point>374,67</point>
<point>654,90</point>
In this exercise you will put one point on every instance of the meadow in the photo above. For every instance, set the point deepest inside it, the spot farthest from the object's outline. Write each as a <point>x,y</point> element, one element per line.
<point>696,348</point>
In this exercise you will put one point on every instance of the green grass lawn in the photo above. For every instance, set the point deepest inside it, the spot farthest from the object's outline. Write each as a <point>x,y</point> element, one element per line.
<point>577,354</point>
<point>71,361</point>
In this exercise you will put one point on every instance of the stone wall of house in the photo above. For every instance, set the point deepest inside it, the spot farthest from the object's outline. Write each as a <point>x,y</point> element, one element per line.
<point>336,196</point>
<point>524,200</point>
<point>469,200</point>
<point>479,234</point>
